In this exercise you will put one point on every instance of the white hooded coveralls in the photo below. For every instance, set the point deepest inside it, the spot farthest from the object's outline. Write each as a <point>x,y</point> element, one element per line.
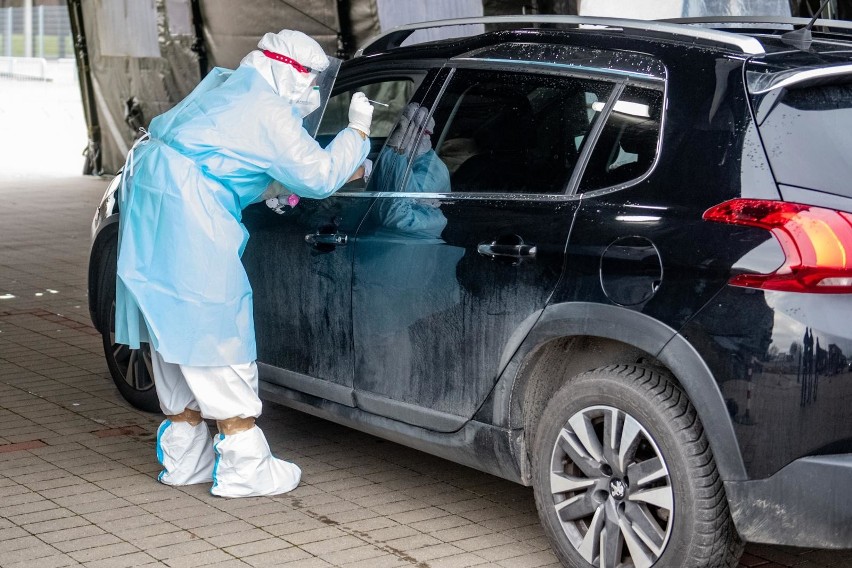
<point>181,286</point>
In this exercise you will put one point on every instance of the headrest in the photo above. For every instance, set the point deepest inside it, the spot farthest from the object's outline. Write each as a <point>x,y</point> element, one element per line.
<point>639,138</point>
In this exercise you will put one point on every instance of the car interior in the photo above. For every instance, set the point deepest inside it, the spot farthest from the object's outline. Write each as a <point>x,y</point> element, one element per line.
<point>627,145</point>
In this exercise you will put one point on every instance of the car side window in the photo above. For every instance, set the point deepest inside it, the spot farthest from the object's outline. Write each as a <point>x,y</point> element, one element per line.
<point>504,132</point>
<point>627,145</point>
<point>394,93</point>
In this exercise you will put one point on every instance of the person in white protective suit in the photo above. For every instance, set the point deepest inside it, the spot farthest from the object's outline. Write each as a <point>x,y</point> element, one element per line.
<point>181,286</point>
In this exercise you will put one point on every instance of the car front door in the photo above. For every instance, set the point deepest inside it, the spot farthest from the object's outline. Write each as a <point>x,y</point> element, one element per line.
<point>453,267</point>
<point>299,260</point>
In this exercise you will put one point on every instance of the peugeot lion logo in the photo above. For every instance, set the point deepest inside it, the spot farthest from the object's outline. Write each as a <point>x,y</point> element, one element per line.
<point>616,488</point>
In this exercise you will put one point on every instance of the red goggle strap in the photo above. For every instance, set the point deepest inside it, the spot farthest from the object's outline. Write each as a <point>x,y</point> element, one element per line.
<point>289,61</point>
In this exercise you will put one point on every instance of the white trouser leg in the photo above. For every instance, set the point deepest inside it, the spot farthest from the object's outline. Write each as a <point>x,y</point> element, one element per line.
<point>224,392</point>
<point>173,392</point>
<point>185,451</point>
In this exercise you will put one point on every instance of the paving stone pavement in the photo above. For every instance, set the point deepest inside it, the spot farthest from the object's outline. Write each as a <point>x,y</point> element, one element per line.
<point>78,469</point>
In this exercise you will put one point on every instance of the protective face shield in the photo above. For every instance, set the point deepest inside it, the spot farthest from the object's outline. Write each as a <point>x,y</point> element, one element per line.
<point>298,70</point>
<point>320,92</point>
<point>309,102</point>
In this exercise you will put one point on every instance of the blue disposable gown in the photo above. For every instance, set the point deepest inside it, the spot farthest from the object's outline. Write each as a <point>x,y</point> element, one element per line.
<point>181,285</point>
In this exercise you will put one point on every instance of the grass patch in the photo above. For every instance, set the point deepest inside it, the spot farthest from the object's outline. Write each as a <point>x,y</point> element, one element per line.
<point>51,46</point>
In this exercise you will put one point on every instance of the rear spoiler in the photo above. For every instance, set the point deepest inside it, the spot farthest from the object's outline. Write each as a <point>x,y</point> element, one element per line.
<point>761,83</point>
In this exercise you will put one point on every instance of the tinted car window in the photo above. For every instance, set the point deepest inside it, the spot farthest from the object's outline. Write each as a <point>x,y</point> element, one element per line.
<point>628,142</point>
<point>807,138</point>
<point>505,132</point>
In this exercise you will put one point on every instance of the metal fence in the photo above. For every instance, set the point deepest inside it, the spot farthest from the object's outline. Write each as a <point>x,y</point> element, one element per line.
<point>49,32</point>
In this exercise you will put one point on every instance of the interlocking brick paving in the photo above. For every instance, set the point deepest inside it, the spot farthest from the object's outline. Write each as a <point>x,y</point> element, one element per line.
<point>78,467</point>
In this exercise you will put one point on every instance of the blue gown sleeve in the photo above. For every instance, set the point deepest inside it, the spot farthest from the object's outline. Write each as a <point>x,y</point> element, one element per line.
<point>303,166</point>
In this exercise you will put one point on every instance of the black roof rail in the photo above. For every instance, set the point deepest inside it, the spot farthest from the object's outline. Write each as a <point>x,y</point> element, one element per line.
<point>654,28</point>
<point>741,22</point>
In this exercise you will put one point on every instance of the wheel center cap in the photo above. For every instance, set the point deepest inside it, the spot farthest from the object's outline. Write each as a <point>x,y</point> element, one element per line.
<point>617,488</point>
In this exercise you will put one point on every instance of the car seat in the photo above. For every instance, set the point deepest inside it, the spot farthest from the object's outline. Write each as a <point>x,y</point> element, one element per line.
<point>639,139</point>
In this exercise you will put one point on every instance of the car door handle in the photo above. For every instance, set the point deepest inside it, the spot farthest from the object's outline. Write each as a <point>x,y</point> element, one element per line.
<point>334,239</point>
<point>495,250</point>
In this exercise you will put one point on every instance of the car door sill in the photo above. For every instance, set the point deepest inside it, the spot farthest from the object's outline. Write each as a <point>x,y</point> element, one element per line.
<point>309,385</point>
<point>409,413</point>
<point>483,446</point>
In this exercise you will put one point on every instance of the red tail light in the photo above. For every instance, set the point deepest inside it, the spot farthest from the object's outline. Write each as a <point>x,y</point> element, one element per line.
<point>817,243</point>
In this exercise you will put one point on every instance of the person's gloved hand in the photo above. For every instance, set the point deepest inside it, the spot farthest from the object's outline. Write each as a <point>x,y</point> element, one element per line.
<point>401,129</point>
<point>424,144</point>
<point>413,142</point>
<point>368,169</point>
<point>360,113</point>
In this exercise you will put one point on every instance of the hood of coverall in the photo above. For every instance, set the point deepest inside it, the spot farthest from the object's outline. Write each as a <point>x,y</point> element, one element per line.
<point>284,78</point>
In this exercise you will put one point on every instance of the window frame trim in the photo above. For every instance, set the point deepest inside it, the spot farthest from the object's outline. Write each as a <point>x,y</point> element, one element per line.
<point>560,69</point>
<point>570,191</point>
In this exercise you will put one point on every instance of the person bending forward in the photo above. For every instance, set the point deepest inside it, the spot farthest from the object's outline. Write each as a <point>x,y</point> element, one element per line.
<point>181,286</point>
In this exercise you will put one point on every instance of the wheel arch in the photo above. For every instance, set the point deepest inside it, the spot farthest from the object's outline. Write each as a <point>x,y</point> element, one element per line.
<point>588,336</point>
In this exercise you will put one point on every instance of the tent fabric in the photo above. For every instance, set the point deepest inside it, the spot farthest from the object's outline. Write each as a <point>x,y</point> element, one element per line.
<point>229,34</point>
<point>157,83</point>
<point>134,83</point>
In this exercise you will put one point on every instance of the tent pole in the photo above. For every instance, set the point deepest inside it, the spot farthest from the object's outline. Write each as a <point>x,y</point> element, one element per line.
<point>92,165</point>
<point>345,41</point>
<point>198,45</point>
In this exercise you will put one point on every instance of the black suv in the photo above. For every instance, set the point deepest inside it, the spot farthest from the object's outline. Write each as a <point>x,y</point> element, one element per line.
<point>608,259</point>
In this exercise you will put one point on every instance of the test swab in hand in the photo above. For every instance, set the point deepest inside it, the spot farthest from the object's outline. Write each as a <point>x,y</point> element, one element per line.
<point>378,103</point>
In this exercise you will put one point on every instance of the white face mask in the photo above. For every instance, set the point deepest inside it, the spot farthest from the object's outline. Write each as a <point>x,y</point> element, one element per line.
<point>309,102</point>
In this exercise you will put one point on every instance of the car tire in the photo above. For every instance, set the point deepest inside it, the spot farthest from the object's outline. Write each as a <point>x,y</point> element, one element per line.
<point>599,430</point>
<point>130,369</point>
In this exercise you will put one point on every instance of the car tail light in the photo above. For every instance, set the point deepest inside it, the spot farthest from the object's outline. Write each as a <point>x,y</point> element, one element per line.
<point>817,243</point>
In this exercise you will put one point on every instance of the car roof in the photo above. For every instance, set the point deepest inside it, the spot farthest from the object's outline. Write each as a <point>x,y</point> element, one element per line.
<point>755,38</point>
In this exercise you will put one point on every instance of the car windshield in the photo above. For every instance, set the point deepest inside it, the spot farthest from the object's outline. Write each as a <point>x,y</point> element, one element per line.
<point>807,137</point>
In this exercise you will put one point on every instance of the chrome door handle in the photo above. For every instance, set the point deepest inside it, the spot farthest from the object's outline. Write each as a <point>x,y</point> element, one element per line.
<point>510,252</point>
<point>334,239</point>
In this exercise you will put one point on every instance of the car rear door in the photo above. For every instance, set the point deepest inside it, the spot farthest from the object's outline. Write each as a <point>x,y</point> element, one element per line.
<point>453,268</point>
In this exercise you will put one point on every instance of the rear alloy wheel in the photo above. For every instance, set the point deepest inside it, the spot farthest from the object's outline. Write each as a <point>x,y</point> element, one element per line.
<point>624,478</point>
<point>130,369</point>
<point>624,487</point>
